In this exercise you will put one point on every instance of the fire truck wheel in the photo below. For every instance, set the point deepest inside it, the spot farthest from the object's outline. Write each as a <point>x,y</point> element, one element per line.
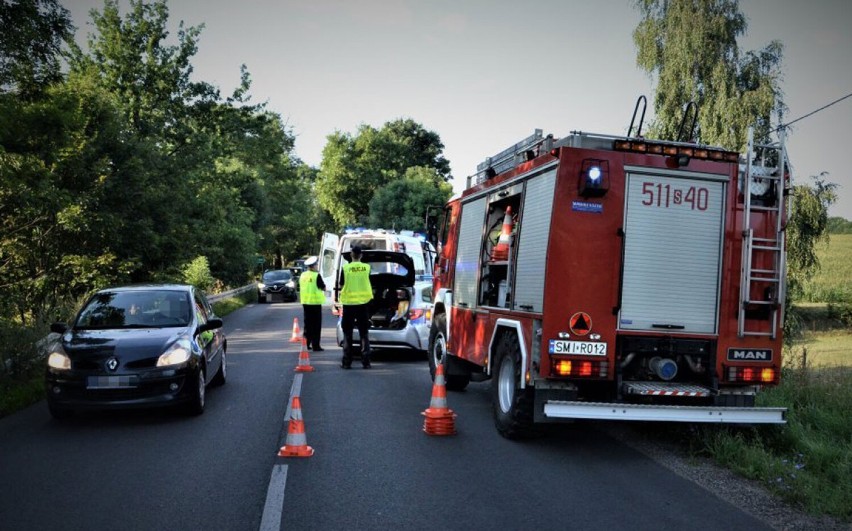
<point>513,406</point>
<point>438,355</point>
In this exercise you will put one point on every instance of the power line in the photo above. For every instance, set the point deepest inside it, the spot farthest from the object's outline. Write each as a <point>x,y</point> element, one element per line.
<point>782,126</point>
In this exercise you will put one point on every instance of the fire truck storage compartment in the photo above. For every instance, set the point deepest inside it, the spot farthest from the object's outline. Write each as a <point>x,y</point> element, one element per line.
<point>495,277</point>
<point>673,248</point>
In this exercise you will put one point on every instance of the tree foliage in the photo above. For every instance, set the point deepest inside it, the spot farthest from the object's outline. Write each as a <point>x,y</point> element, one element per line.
<point>839,225</point>
<point>691,47</point>
<point>125,168</point>
<point>355,167</point>
<point>402,204</point>
<point>33,33</point>
<point>810,212</point>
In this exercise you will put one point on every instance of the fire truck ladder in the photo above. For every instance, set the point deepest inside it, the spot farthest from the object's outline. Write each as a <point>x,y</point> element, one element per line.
<point>525,150</point>
<point>772,171</point>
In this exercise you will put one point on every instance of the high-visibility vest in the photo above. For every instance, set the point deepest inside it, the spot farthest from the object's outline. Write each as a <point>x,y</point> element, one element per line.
<point>356,284</point>
<point>309,293</point>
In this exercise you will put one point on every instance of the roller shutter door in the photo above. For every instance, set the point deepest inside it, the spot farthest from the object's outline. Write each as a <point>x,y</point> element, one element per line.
<point>672,255</point>
<point>532,244</point>
<point>467,257</point>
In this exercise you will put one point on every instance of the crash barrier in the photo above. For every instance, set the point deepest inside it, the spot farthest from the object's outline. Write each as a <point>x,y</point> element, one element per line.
<point>230,293</point>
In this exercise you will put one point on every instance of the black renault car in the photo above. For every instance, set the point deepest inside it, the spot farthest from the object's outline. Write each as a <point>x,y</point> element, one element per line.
<point>136,346</point>
<point>279,284</point>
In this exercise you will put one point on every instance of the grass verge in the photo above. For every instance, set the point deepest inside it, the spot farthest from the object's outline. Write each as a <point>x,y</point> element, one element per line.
<point>808,461</point>
<point>18,394</point>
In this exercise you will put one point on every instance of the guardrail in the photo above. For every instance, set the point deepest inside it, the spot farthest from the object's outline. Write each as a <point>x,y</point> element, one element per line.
<point>231,293</point>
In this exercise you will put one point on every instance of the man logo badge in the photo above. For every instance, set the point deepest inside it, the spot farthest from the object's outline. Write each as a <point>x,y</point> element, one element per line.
<point>753,354</point>
<point>112,364</point>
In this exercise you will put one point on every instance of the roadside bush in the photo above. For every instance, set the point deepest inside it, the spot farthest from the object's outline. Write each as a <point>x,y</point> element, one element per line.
<point>19,352</point>
<point>841,312</point>
<point>21,366</point>
<point>198,274</point>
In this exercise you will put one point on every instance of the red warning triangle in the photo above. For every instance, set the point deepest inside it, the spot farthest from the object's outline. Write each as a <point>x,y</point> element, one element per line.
<point>581,323</point>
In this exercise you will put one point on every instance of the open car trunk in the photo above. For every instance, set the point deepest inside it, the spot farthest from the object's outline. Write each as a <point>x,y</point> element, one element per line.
<point>392,280</point>
<point>391,300</point>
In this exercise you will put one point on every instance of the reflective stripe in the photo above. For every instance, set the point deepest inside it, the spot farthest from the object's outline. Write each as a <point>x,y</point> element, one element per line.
<point>356,284</point>
<point>309,293</point>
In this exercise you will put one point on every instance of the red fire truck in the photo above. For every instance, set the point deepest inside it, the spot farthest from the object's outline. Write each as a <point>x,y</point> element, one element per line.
<point>607,277</point>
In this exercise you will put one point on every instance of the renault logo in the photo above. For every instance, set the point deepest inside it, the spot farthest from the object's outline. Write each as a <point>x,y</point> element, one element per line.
<point>112,364</point>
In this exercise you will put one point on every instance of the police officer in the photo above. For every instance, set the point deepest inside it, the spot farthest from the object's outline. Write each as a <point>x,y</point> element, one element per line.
<point>312,297</point>
<point>355,294</point>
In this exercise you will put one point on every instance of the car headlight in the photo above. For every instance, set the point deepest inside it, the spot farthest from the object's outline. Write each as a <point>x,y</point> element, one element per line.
<point>178,353</point>
<point>261,285</point>
<point>291,284</point>
<point>58,359</point>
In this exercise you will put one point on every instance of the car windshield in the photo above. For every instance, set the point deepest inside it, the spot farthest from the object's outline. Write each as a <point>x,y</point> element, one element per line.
<point>136,309</point>
<point>275,276</point>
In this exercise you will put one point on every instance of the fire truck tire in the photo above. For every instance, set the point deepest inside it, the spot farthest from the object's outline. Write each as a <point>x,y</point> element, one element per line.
<point>437,355</point>
<point>512,406</point>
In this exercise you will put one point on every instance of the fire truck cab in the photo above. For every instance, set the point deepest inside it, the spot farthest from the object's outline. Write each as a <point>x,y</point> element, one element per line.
<point>605,277</point>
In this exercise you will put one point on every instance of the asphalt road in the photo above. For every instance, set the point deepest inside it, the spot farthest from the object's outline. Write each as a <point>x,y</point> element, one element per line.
<point>373,466</point>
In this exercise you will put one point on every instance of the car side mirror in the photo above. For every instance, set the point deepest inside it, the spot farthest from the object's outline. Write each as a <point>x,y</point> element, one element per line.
<point>211,324</point>
<point>58,328</point>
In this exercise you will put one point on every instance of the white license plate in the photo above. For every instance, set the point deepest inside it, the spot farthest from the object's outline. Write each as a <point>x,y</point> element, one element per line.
<point>110,382</point>
<point>586,348</point>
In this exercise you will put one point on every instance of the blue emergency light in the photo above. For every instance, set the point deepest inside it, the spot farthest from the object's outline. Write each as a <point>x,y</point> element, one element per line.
<point>594,178</point>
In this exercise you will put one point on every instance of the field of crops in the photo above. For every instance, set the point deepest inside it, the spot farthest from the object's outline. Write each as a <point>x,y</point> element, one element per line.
<point>827,340</point>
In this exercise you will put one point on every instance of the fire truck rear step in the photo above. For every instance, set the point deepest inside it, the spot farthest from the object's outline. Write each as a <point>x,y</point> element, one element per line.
<point>644,412</point>
<point>665,389</point>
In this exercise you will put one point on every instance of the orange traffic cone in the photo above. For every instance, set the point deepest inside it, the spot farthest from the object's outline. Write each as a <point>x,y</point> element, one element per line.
<point>501,250</point>
<point>296,444</point>
<point>440,420</point>
<point>297,332</point>
<point>304,360</point>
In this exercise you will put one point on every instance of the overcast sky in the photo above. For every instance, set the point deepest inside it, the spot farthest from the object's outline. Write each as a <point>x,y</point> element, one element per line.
<point>484,74</point>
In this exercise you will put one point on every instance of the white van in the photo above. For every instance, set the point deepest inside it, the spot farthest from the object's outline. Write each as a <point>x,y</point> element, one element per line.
<point>401,309</point>
<point>333,246</point>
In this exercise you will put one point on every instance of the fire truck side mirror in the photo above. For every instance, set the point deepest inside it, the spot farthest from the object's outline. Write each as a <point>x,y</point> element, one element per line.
<point>594,178</point>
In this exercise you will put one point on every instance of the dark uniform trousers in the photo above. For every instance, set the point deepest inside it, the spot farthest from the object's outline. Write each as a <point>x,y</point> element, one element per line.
<point>356,315</point>
<point>313,324</point>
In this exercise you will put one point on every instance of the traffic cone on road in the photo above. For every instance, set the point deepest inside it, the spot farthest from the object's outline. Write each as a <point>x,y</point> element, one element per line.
<point>304,360</point>
<point>296,444</point>
<point>500,251</point>
<point>440,420</point>
<point>297,332</point>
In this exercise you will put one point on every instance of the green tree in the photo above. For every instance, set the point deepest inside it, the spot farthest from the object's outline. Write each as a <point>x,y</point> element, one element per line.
<point>355,167</point>
<point>197,273</point>
<point>203,166</point>
<point>54,152</point>
<point>691,47</point>
<point>33,35</point>
<point>810,213</point>
<point>839,225</point>
<point>402,204</point>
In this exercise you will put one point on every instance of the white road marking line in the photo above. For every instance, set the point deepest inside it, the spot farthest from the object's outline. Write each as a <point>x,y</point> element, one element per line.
<point>274,506</point>
<point>271,520</point>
